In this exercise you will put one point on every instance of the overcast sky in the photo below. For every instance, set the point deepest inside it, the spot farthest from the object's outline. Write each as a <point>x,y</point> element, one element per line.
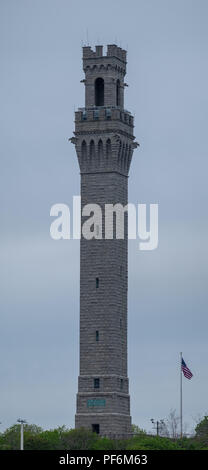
<point>167,73</point>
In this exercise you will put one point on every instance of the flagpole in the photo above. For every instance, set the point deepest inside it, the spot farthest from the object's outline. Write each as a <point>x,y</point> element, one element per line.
<point>181,411</point>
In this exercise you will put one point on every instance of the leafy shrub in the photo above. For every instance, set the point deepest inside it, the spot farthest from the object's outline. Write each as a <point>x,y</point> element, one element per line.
<point>78,439</point>
<point>151,443</point>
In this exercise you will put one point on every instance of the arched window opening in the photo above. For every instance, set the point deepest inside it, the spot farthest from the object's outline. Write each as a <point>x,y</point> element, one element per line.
<point>84,149</point>
<point>126,157</point>
<point>99,92</point>
<point>118,93</point>
<point>129,157</point>
<point>100,148</point>
<point>123,156</point>
<point>119,153</point>
<point>108,148</point>
<point>100,151</point>
<point>92,148</point>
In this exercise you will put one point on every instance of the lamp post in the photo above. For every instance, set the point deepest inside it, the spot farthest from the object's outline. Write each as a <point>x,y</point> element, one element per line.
<point>22,422</point>
<point>159,425</point>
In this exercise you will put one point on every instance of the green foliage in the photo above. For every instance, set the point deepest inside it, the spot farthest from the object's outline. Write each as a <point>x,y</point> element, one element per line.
<point>137,430</point>
<point>35,438</point>
<point>10,439</point>
<point>187,443</point>
<point>202,428</point>
<point>54,438</point>
<point>78,439</point>
<point>202,431</point>
<point>34,442</point>
<point>104,443</point>
<point>151,443</point>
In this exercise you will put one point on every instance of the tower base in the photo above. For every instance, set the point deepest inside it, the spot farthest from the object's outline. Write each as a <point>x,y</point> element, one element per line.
<point>112,425</point>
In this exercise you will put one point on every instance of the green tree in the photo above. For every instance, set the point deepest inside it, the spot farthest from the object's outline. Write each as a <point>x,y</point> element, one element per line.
<point>202,430</point>
<point>11,437</point>
<point>37,442</point>
<point>78,439</point>
<point>104,443</point>
<point>54,438</point>
<point>136,430</point>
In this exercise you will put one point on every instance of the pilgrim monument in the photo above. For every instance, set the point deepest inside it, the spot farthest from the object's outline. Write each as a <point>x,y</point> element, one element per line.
<point>104,143</point>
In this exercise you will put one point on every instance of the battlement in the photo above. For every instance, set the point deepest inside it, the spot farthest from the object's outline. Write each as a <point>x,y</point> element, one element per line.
<point>112,51</point>
<point>103,113</point>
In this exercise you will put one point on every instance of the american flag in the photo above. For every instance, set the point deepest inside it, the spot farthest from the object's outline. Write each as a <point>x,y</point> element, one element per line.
<point>186,371</point>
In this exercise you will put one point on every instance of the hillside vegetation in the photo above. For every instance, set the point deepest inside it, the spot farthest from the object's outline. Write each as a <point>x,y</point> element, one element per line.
<point>35,438</point>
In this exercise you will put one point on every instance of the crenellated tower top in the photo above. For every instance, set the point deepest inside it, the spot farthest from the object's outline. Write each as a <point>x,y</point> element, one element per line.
<point>104,76</point>
<point>112,51</point>
<point>103,133</point>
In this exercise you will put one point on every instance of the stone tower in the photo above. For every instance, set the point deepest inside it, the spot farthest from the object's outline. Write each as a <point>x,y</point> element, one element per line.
<point>104,144</point>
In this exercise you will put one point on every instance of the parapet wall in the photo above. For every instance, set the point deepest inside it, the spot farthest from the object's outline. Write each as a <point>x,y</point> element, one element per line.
<point>112,51</point>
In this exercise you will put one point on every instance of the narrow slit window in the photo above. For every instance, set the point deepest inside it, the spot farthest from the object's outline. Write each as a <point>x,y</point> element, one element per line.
<point>96,383</point>
<point>97,335</point>
<point>97,282</point>
<point>118,93</point>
